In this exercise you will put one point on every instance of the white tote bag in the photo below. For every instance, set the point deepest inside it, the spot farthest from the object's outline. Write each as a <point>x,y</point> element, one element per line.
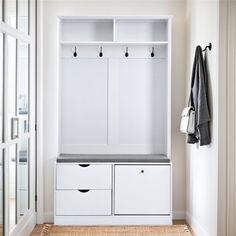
<point>187,124</point>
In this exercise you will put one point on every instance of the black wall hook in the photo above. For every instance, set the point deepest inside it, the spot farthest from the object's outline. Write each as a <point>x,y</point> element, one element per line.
<point>208,47</point>
<point>152,53</point>
<point>75,53</point>
<point>126,52</point>
<point>100,53</point>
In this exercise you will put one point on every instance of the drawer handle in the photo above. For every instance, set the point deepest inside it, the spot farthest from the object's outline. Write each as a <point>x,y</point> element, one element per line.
<point>83,190</point>
<point>142,171</point>
<point>84,165</point>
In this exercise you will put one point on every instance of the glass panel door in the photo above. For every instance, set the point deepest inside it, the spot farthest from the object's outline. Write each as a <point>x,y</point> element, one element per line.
<point>17,140</point>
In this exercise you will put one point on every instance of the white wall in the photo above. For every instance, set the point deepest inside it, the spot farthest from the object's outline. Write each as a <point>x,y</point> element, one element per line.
<point>51,10</point>
<point>202,162</point>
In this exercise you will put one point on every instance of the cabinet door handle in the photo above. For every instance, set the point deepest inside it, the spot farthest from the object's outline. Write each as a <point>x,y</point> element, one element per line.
<point>83,190</point>
<point>142,171</point>
<point>84,165</point>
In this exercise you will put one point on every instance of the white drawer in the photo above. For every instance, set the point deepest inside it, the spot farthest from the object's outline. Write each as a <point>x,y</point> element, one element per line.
<point>74,202</point>
<point>142,189</point>
<point>81,176</point>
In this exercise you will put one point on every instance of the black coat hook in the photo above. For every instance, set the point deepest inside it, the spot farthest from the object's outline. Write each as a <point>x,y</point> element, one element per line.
<point>75,53</point>
<point>126,52</point>
<point>152,53</point>
<point>208,47</point>
<point>100,53</point>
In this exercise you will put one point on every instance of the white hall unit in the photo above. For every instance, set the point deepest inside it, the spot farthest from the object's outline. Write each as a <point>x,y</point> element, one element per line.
<point>115,104</point>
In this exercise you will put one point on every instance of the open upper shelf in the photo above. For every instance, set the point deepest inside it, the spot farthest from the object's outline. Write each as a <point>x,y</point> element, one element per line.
<point>117,31</point>
<point>141,30</point>
<point>87,30</point>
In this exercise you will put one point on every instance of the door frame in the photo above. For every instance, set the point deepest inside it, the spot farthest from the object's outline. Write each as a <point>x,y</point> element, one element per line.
<point>227,116</point>
<point>27,223</point>
<point>39,114</point>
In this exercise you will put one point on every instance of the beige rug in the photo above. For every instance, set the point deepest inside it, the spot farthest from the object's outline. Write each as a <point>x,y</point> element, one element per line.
<point>172,230</point>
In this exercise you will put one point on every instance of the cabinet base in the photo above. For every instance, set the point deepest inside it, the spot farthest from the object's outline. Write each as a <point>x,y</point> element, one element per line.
<point>113,220</point>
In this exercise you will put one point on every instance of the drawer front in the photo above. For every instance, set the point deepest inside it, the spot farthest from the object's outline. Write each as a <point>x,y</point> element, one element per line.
<point>142,189</point>
<point>74,202</point>
<point>82,176</point>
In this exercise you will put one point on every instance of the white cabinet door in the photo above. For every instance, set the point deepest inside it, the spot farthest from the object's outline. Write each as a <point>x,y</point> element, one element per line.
<point>80,176</point>
<point>92,202</point>
<point>142,189</point>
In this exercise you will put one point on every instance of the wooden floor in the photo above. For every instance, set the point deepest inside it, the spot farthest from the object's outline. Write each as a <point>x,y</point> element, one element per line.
<point>38,228</point>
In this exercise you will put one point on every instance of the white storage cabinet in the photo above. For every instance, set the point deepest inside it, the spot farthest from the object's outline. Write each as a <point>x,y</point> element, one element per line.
<point>114,98</point>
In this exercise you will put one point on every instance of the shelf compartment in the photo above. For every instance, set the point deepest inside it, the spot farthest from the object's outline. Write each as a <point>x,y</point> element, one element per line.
<point>141,30</point>
<point>87,30</point>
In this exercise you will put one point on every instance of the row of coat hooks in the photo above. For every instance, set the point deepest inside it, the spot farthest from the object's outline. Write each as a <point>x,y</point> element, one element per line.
<point>75,54</point>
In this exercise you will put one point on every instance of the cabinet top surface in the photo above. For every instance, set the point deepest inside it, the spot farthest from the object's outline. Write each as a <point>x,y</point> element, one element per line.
<point>131,158</point>
<point>123,17</point>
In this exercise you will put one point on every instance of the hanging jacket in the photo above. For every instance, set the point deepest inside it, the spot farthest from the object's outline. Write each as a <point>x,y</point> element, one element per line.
<point>199,100</point>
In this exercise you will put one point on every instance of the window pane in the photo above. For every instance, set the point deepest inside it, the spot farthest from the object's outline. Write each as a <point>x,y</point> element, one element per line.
<point>12,185</point>
<point>23,11</point>
<point>11,83</point>
<point>1,87</point>
<point>23,85</point>
<point>23,177</point>
<point>11,12</point>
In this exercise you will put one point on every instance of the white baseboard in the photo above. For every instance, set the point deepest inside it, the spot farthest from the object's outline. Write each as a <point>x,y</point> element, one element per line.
<point>39,218</point>
<point>195,225</point>
<point>113,220</point>
<point>25,226</point>
<point>178,215</point>
<point>48,217</point>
